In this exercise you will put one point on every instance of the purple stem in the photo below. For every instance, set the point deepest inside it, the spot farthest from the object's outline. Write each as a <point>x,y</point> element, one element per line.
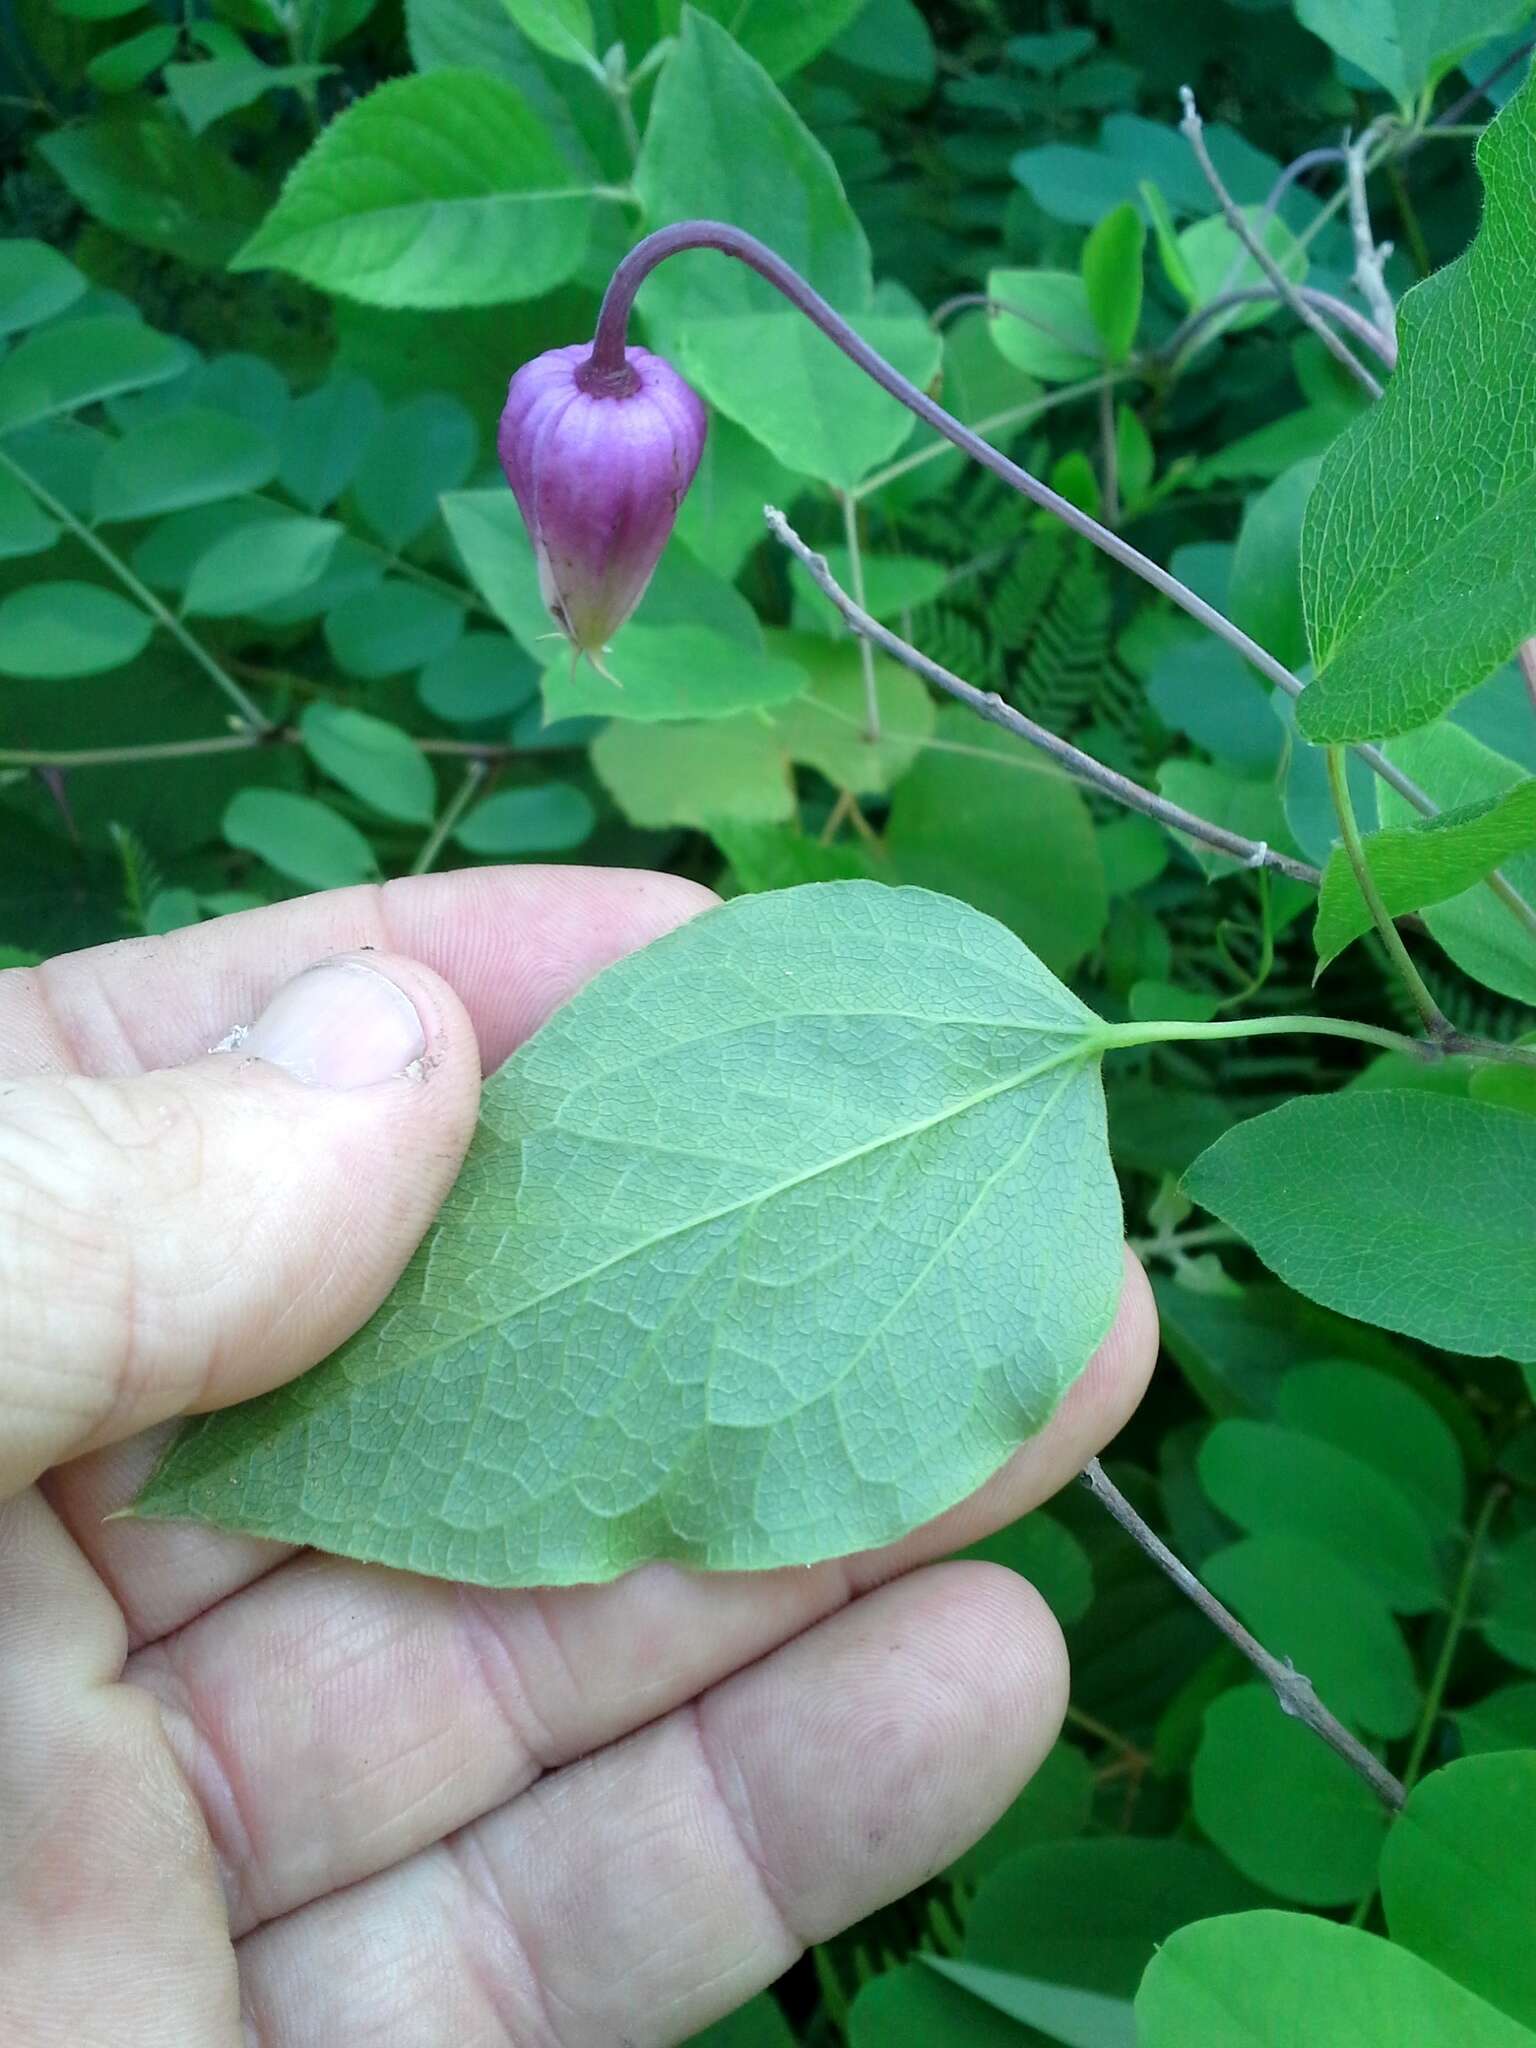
<point>606,370</point>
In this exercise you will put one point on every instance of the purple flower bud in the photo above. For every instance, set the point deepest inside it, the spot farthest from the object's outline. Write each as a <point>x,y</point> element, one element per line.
<point>599,474</point>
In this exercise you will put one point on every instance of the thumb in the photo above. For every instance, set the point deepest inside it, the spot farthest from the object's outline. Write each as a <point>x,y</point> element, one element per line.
<point>186,1238</point>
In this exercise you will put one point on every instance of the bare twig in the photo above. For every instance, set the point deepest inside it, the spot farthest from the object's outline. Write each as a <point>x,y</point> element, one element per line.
<point>1296,1694</point>
<point>987,704</point>
<point>1324,302</point>
<point>1192,128</point>
<point>866,652</point>
<point>1369,255</point>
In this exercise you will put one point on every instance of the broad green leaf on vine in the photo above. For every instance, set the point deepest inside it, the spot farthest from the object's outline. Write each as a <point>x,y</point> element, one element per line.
<point>1425,863</point>
<point>1458,1884</point>
<point>1325,1191</point>
<point>1259,1979</point>
<point>1417,571</point>
<point>773,1243</point>
<point>1042,321</point>
<point>1379,1417</point>
<point>439,190</point>
<point>1482,934</point>
<point>1406,45</point>
<point>826,728</point>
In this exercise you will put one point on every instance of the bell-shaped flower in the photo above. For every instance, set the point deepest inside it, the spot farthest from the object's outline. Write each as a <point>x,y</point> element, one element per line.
<point>599,475</point>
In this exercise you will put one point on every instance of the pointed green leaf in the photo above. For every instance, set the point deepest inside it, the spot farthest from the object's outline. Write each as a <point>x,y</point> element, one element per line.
<point>129,63</point>
<point>1417,570</point>
<point>1406,45</point>
<point>1318,1188</point>
<point>1111,264</point>
<point>562,27</point>
<point>1423,863</point>
<point>439,190</point>
<point>774,1242</point>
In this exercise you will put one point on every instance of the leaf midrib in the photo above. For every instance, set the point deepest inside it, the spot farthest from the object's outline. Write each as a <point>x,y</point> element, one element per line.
<point>1083,1049</point>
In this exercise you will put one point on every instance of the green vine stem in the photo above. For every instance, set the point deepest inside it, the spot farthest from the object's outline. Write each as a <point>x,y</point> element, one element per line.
<point>1456,1621</point>
<point>249,711</point>
<point>1436,1023</point>
<point>1295,1693</point>
<point>475,773</point>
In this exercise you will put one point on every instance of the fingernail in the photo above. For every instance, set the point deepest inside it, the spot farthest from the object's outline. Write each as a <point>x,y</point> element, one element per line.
<point>338,1025</point>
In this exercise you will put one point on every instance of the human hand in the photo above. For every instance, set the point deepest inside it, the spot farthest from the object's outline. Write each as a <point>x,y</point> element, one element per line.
<point>252,1794</point>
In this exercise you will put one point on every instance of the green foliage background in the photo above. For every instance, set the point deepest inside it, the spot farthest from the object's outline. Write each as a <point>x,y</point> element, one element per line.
<point>269,264</point>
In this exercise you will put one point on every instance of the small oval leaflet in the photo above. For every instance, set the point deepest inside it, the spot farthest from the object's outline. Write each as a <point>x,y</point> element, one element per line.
<point>773,1243</point>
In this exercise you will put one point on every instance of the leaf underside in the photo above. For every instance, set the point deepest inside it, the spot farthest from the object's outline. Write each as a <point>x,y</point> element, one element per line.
<point>773,1243</point>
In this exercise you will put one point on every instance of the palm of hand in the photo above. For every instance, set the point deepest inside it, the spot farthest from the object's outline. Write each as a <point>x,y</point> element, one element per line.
<point>250,1794</point>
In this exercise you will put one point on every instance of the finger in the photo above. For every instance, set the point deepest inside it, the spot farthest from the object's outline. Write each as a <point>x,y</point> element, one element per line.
<point>185,1238</point>
<point>111,1921</point>
<point>513,942</point>
<point>641,1893</point>
<point>336,1719</point>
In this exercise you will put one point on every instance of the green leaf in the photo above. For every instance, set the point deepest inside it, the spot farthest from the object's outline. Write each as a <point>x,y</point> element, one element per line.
<point>1404,45</point>
<point>187,457</point>
<point>375,760</point>
<point>398,626</point>
<point>629,1334</point>
<point>1264,595</point>
<point>1276,1481</point>
<point>722,143</point>
<point>994,829</point>
<point>143,175</point>
<point>129,63</point>
<point>259,563</point>
<point>36,283</point>
<point>825,728</point>
<point>671,672</point>
<point>1305,1604</point>
<point>488,531</point>
<point>300,837</point>
<point>1077,2019</point>
<point>25,528</point>
<point>1506,1719</point>
<point>1425,862</point>
<point>53,630</point>
<point>1039,1549</point>
<point>481,676</point>
<point>438,190</point>
<point>1380,1419</point>
<point>1093,1912</point>
<point>1260,1980</point>
<point>721,519</point>
<point>892,584</point>
<point>1431,496</point>
<point>1281,1806</point>
<point>911,2007</point>
<point>98,10</point>
<point>814,410</point>
<point>1457,1881</point>
<point>416,452</point>
<point>324,437</point>
<point>1509,1620</point>
<point>1319,1190</point>
<point>1483,936</point>
<point>562,27</point>
<point>549,819</point>
<point>80,362</point>
<point>757,2024</point>
<point>1111,263</point>
<point>782,35</point>
<point>660,775</point>
<point>1044,324</point>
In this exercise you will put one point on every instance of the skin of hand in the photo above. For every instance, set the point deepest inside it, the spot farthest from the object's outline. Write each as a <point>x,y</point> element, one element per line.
<point>258,1798</point>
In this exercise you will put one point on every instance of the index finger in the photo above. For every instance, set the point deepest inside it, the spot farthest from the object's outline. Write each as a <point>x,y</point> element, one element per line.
<point>513,942</point>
